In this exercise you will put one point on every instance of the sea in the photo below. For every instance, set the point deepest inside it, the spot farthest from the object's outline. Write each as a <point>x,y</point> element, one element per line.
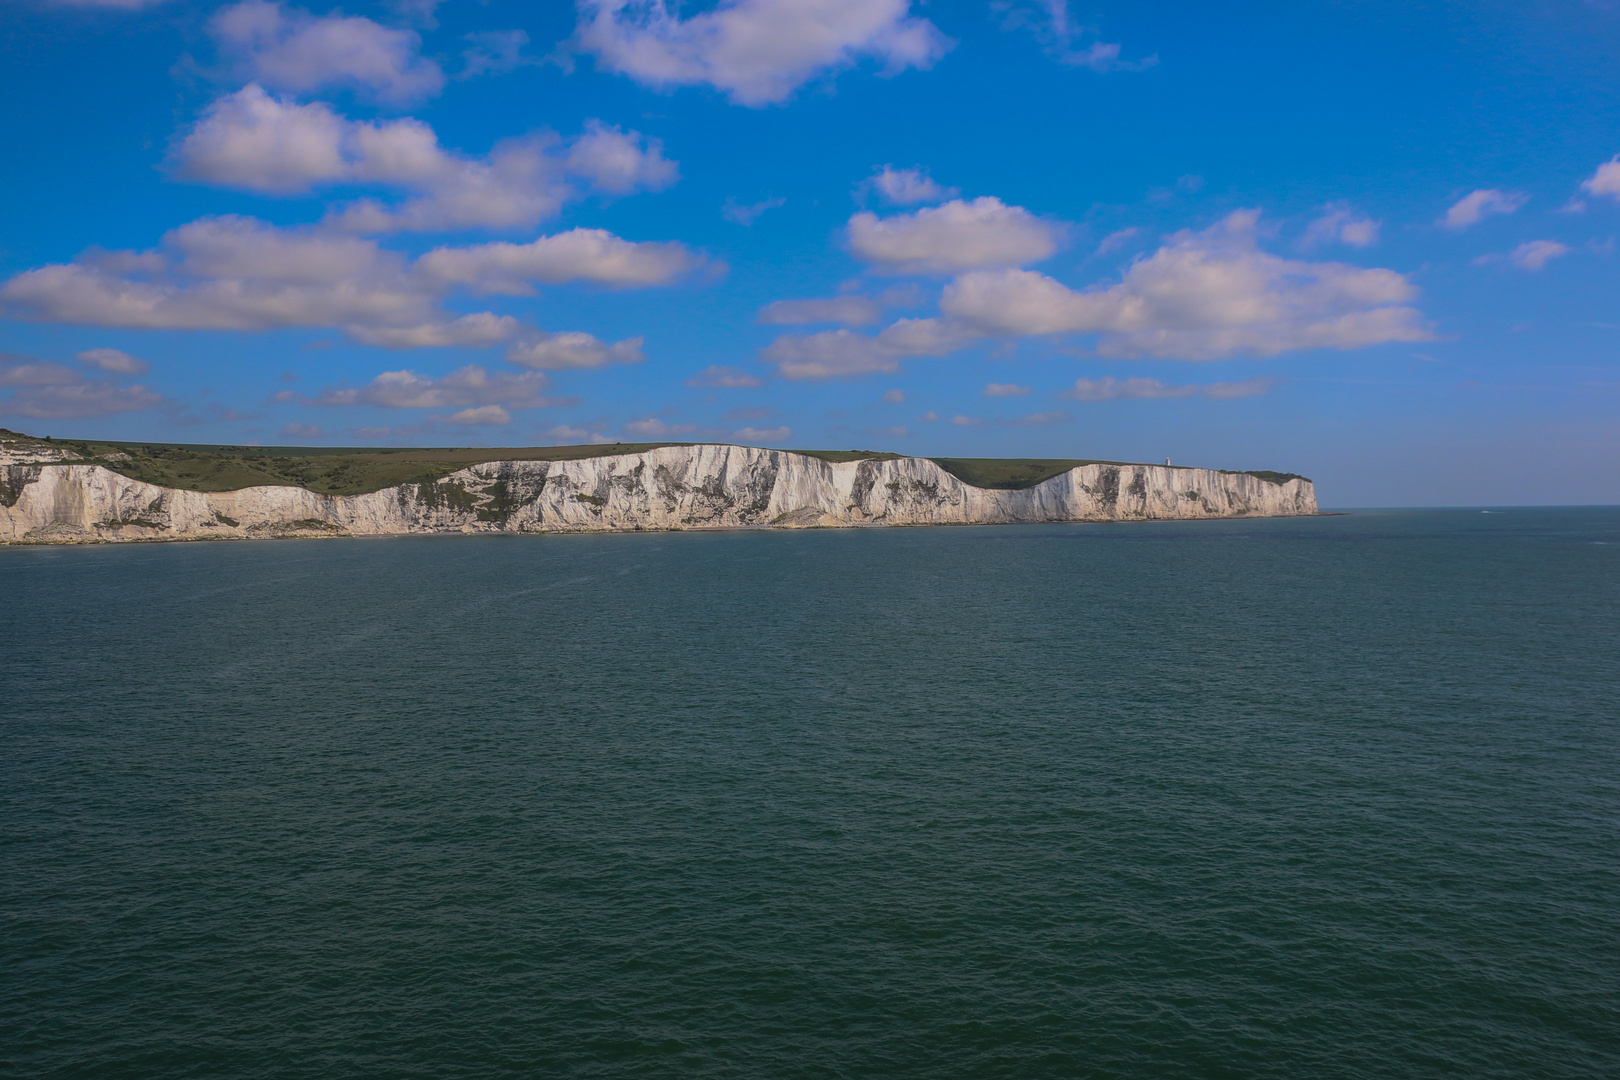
<point>1299,798</point>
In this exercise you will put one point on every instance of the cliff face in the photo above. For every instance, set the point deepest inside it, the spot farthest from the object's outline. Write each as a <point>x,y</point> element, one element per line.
<point>677,487</point>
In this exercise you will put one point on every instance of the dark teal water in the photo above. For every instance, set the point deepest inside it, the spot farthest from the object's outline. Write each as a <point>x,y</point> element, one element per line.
<point>1333,797</point>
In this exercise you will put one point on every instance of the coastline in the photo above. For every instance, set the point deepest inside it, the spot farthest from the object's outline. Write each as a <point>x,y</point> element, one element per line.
<point>668,488</point>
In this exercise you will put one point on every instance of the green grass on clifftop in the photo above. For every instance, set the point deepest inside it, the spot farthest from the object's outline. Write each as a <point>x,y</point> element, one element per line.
<point>1011,474</point>
<point>339,470</point>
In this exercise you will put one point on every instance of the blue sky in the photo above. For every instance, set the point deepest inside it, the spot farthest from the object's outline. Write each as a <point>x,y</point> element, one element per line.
<point>1371,242</point>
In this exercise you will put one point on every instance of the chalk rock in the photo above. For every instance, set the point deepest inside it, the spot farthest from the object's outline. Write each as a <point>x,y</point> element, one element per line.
<point>672,487</point>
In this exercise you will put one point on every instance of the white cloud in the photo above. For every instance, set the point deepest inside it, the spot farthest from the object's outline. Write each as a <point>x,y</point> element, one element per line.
<point>616,162</point>
<point>1606,181</point>
<point>31,372</point>
<point>230,273</point>
<point>301,431</point>
<point>1116,240</point>
<point>746,214</point>
<point>493,52</point>
<point>1060,36</point>
<point>997,389</point>
<point>763,435</point>
<point>258,142</point>
<point>479,328</point>
<point>292,50</point>
<point>80,400</point>
<point>1477,205</point>
<point>573,349</point>
<point>654,428</point>
<point>515,186</point>
<point>1340,225</point>
<point>566,435</point>
<point>491,415</point>
<point>467,387</point>
<point>907,187</point>
<point>755,51</point>
<point>1537,253</point>
<point>894,397</point>
<point>46,391</point>
<point>721,377</point>
<point>593,255</point>
<point>966,421</point>
<point>1040,419</point>
<point>114,360</point>
<point>956,236</point>
<point>421,12</point>
<point>252,140</point>
<point>833,353</point>
<point>1201,296</point>
<point>234,273</point>
<point>1109,388</point>
<point>848,310</point>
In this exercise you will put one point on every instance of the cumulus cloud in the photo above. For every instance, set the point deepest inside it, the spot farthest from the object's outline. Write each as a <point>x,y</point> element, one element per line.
<point>848,310</point>
<point>252,140</point>
<point>593,255</point>
<point>492,52</point>
<point>292,50</point>
<point>620,162</point>
<point>1341,225</point>
<point>565,435</point>
<point>959,235</point>
<point>1116,240</point>
<point>491,415</point>
<point>907,187</point>
<point>1040,419</point>
<point>573,350</point>
<point>757,52</point>
<point>82,400</point>
<point>1060,36</point>
<point>654,428</point>
<point>1478,205</point>
<point>746,214</point>
<point>230,273</point>
<point>1201,296</point>
<point>1537,253</point>
<point>1109,388</point>
<point>258,142</point>
<point>48,391</point>
<point>236,273</point>
<point>1606,181</point>
<point>479,328</point>
<point>26,371</point>
<point>721,377</point>
<point>113,360</point>
<point>996,389</point>
<point>301,431</point>
<point>469,387</point>
<point>763,435</point>
<point>834,353</point>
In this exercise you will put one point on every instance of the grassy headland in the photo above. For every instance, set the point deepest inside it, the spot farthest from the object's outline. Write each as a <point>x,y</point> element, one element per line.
<point>351,470</point>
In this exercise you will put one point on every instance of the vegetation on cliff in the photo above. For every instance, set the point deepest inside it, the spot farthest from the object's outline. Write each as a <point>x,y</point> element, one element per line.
<point>338,470</point>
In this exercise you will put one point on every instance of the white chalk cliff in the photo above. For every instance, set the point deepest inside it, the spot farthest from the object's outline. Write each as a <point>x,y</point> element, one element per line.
<point>674,487</point>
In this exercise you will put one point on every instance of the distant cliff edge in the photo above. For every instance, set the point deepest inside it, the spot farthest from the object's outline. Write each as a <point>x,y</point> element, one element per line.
<point>46,497</point>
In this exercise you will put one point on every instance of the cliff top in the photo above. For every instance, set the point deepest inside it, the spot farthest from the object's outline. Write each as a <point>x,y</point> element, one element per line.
<point>353,470</point>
